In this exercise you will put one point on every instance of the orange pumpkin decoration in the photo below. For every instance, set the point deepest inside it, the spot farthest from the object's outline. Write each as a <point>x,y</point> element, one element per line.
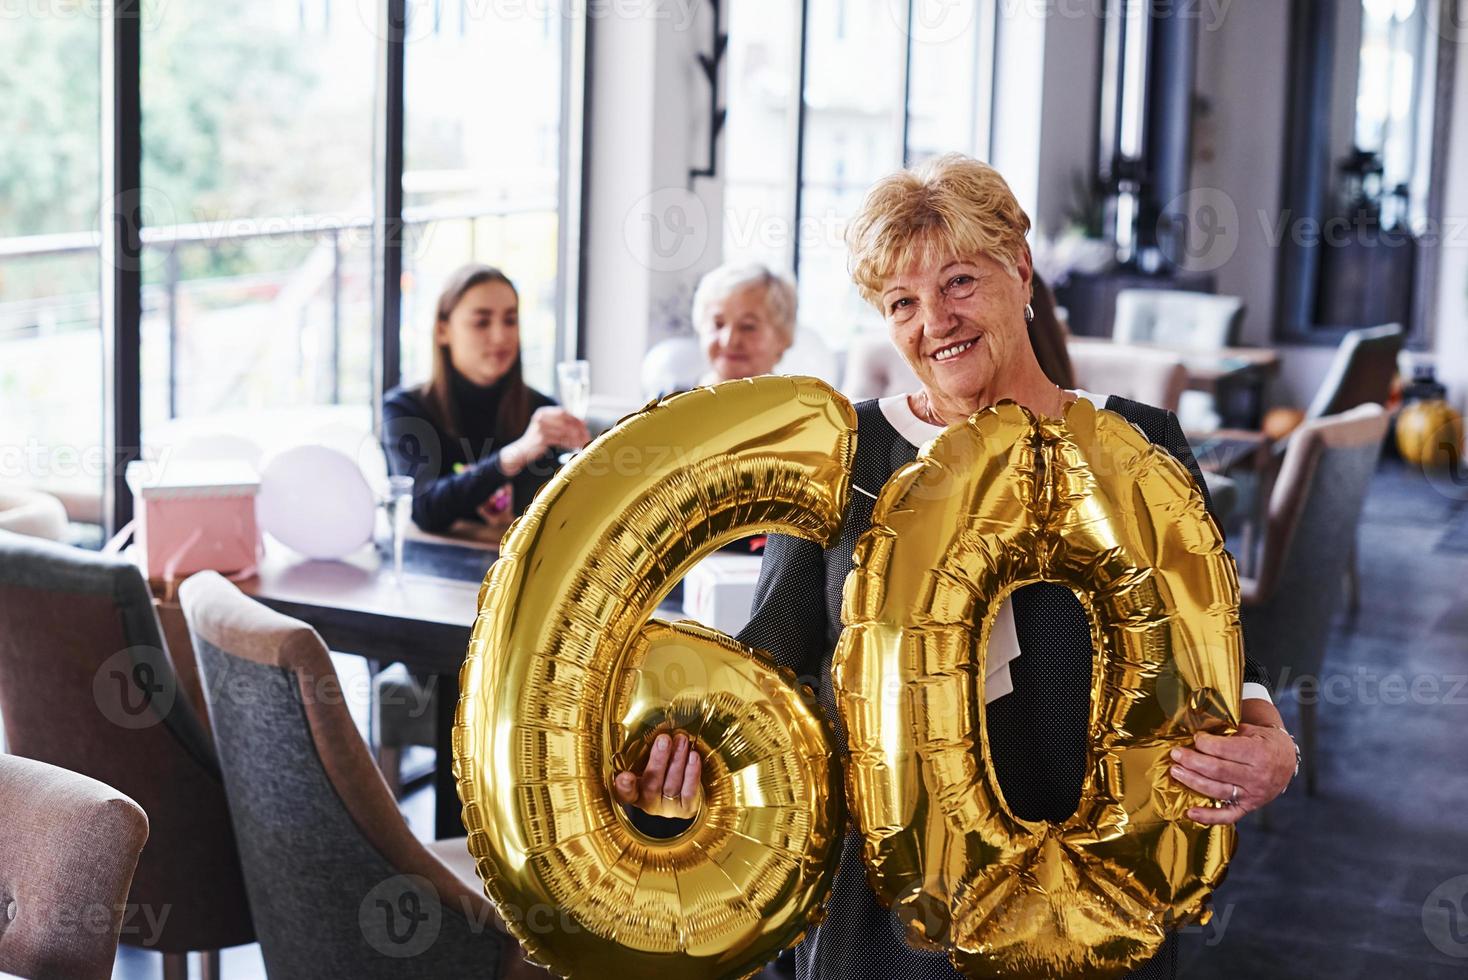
<point>1430,434</point>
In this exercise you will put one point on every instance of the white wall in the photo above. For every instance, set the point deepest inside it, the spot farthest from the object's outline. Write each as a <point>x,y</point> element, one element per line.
<point>1067,115</point>
<point>648,237</point>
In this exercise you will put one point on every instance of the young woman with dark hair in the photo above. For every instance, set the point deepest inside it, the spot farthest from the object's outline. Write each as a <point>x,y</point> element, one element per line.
<point>476,439</point>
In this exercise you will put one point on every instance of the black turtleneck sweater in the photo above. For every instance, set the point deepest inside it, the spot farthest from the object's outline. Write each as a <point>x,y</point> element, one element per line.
<point>454,474</point>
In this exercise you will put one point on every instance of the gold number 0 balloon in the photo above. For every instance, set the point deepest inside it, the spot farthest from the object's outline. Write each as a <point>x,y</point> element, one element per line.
<point>993,504</point>
<point>566,681</point>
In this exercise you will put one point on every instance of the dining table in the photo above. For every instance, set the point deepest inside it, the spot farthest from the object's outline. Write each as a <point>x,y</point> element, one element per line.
<point>422,618</point>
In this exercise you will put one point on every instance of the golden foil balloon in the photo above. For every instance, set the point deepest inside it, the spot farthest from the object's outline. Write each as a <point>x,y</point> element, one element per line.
<point>566,682</point>
<point>992,504</point>
<point>1430,433</point>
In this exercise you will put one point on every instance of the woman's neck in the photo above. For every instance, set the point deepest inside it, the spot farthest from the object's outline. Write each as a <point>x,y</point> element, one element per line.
<point>1032,390</point>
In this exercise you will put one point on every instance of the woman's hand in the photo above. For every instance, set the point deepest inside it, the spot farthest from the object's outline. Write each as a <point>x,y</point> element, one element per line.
<point>669,785</point>
<point>550,427</point>
<point>1250,767</point>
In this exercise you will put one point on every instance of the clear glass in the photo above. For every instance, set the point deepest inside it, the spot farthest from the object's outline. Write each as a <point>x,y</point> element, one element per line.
<point>398,502</point>
<point>50,327</point>
<point>258,151</point>
<point>573,391</point>
<point>482,168</point>
<point>573,387</point>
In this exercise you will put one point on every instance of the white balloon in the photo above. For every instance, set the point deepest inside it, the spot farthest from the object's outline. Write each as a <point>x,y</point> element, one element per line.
<point>315,500</point>
<point>672,365</point>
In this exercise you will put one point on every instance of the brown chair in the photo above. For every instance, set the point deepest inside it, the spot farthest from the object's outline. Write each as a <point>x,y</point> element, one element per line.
<point>337,879</point>
<point>66,859</point>
<point>86,683</point>
<point>1308,544</point>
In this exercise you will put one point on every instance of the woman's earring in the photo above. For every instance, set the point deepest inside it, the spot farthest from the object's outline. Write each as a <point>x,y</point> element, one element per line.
<point>1029,313</point>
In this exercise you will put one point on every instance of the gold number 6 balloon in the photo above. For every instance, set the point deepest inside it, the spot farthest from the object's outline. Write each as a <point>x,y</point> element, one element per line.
<point>993,504</point>
<point>566,681</point>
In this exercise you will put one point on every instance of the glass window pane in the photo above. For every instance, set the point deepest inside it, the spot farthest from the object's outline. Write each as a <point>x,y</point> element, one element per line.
<point>50,337</point>
<point>481,176</point>
<point>759,137</point>
<point>853,136</point>
<point>258,124</point>
<point>950,78</point>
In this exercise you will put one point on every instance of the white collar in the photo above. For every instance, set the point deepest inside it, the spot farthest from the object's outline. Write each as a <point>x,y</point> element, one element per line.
<point>918,431</point>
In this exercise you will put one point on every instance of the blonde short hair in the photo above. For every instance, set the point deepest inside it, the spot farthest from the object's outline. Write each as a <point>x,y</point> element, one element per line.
<point>730,278</point>
<point>953,202</point>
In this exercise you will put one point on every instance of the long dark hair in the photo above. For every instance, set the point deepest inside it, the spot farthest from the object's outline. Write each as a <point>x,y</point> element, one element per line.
<point>1047,336</point>
<point>514,410</point>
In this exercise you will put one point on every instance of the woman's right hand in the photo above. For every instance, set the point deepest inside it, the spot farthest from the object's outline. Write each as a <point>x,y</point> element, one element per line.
<point>670,783</point>
<point>551,427</point>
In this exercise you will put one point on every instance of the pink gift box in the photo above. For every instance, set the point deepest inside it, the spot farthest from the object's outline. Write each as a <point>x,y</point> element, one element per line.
<point>189,517</point>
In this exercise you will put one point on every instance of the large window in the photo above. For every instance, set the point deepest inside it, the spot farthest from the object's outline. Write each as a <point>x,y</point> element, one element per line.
<point>258,202</point>
<point>265,150</point>
<point>50,337</point>
<point>482,171</point>
<point>886,84</point>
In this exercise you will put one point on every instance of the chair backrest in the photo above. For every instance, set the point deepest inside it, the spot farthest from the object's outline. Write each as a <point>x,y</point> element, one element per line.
<point>1174,318</point>
<point>1361,371</point>
<point>1143,374</point>
<point>87,683</point>
<point>1310,537</point>
<point>32,512</point>
<point>321,837</point>
<point>66,860</point>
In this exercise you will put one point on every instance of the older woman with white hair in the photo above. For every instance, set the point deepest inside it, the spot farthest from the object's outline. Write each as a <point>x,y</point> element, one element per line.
<point>745,317</point>
<point>940,251</point>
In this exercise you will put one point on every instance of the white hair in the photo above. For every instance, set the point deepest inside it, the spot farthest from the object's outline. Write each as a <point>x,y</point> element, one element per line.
<point>730,278</point>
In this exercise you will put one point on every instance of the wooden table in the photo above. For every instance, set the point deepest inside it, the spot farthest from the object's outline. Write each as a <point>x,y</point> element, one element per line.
<point>423,620</point>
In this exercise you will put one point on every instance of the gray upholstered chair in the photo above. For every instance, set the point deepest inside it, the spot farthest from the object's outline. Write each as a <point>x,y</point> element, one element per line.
<point>1361,371</point>
<point>87,683</point>
<point>66,859</point>
<point>340,886</point>
<point>1174,318</point>
<point>1313,512</point>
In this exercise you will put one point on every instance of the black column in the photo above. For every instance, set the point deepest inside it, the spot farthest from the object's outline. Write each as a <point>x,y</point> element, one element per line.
<point>121,253</point>
<point>387,238</point>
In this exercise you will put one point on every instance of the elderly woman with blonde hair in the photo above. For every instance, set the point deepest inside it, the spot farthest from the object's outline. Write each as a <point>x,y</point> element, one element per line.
<point>745,317</point>
<point>941,252</point>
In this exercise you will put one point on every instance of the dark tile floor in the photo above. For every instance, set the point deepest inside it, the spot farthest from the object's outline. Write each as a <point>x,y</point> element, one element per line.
<point>1369,879</point>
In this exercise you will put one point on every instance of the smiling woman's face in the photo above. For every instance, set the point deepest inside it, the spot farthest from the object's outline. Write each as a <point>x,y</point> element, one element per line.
<point>482,332</point>
<point>959,322</point>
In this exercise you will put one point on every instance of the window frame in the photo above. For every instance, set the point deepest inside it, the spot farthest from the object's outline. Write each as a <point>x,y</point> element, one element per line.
<point>121,288</point>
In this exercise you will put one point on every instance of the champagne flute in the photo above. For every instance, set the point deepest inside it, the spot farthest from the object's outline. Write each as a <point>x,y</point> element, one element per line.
<point>573,388</point>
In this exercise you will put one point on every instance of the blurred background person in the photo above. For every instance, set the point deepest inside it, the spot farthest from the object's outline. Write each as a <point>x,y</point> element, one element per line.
<point>745,317</point>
